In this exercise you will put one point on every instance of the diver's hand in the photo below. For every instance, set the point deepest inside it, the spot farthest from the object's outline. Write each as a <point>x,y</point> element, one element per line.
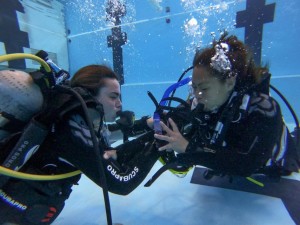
<point>150,122</point>
<point>176,141</point>
<point>110,154</point>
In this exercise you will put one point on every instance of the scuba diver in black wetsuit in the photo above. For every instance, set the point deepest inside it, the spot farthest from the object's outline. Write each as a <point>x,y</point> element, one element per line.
<point>236,128</point>
<point>69,146</point>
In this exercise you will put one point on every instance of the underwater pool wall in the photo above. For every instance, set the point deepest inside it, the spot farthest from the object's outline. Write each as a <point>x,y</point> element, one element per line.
<point>29,26</point>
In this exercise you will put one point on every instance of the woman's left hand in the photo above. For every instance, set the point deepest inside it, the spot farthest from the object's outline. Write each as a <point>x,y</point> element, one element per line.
<point>176,141</point>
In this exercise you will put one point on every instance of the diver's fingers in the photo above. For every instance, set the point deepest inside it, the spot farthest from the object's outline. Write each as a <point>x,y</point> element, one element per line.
<point>110,154</point>
<point>166,128</point>
<point>165,147</point>
<point>173,124</point>
<point>162,137</point>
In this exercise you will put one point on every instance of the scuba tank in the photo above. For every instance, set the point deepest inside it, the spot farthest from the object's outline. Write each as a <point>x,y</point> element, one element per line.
<point>20,99</point>
<point>46,79</point>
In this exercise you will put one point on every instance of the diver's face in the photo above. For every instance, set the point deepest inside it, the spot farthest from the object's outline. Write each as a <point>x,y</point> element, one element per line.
<point>109,97</point>
<point>209,90</point>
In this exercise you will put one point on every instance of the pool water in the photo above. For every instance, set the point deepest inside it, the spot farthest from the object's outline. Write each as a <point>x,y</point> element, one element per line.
<point>156,44</point>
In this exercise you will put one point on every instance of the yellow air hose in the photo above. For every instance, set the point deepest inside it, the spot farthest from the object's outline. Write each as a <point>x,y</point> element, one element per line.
<point>15,56</point>
<point>26,176</point>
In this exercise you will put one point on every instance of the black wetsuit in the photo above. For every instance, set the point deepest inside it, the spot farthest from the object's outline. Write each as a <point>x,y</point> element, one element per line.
<point>251,140</point>
<point>69,147</point>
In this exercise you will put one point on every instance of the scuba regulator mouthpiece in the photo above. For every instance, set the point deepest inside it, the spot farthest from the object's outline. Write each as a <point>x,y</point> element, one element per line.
<point>127,118</point>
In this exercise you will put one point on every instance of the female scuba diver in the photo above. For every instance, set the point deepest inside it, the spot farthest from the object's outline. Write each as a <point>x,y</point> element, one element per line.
<point>69,147</point>
<point>236,127</point>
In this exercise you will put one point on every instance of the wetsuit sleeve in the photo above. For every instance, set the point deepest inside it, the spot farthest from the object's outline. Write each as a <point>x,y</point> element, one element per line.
<point>135,160</point>
<point>122,175</point>
<point>249,142</point>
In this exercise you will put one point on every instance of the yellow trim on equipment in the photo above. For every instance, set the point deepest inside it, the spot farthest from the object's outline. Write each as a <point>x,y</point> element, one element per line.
<point>255,181</point>
<point>180,174</point>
